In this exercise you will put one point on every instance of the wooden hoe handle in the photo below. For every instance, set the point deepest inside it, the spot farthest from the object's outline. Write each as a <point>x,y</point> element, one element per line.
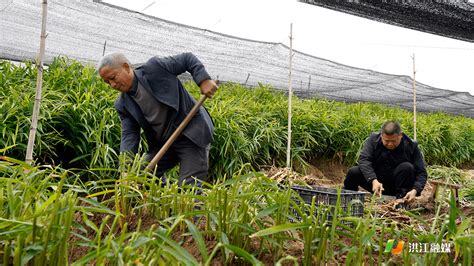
<point>175,135</point>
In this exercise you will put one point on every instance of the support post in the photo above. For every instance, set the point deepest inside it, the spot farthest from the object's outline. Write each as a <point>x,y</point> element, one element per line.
<point>39,85</point>
<point>414,99</point>
<point>290,94</point>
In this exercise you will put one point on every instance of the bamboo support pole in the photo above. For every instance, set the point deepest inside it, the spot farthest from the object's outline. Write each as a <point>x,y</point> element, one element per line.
<point>39,85</point>
<point>105,46</point>
<point>309,83</point>
<point>414,99</point>
<point>290,94</point>
<point>246,80</point>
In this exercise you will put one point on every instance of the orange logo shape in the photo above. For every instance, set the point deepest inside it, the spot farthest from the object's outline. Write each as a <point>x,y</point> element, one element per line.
<point>396,247</point>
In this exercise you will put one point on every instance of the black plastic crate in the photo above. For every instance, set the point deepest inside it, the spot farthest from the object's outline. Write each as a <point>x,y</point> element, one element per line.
<point>352,202</point>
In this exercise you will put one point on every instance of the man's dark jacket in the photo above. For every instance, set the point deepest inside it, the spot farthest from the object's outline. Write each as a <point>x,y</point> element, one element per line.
<point>159,76</point>
<point>377,161</point>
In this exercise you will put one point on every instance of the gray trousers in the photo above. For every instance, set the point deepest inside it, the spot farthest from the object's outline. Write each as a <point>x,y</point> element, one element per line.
<point>193,161</point>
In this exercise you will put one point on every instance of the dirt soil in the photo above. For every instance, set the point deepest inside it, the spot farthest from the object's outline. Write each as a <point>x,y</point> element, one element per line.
<point>321,172</point>
<point>331,173</point>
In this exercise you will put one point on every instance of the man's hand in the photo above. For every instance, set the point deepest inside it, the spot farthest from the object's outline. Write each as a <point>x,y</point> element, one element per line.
<point>410,195</point>
<point>377,187</point>
<point>208,87</point>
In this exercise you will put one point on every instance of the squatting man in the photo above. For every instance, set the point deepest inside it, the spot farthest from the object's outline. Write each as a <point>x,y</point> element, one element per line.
<point>153,99</point>
<point>390,163</point>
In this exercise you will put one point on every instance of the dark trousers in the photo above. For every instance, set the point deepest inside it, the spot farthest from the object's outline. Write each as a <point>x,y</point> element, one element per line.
<point>193,161</point>
<point>397,184</point>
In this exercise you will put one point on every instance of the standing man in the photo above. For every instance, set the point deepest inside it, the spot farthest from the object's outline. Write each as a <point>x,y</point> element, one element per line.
<point>390,163</point>
<point>153,99</point>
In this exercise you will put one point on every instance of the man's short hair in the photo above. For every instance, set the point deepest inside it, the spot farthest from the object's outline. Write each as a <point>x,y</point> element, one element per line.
<point>391,127</point>
<point>114,59</point>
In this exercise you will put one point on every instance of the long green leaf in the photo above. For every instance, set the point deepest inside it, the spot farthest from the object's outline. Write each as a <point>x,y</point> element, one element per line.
<point>176,250</point>
<point>198,238</point>
<point>244,254</point>
<point>279,228</point>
